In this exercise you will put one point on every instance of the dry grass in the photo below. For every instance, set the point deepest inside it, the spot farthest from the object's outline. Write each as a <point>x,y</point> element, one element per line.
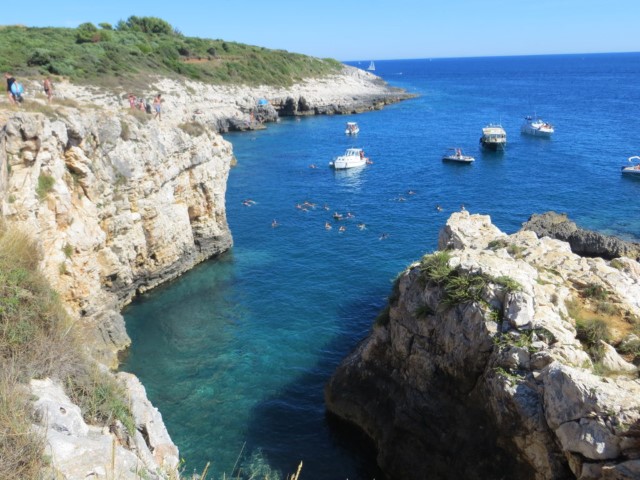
<point>38,340</point>
<point>21,450</point>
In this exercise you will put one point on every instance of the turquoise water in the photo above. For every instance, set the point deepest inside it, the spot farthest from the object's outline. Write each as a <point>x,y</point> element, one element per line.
<point>235,353</point>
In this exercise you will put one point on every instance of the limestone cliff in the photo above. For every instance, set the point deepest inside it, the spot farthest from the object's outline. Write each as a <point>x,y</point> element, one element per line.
<point>120,201</point>
<point>118,206</point>
<point>478,371</point>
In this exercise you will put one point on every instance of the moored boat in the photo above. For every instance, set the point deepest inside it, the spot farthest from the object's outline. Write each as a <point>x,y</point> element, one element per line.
<point>352,157</point>
<point>494,137</point>
<point>632,169</point>
<point>537,127</point>
<point>458,156</point>
<point>352,128</point>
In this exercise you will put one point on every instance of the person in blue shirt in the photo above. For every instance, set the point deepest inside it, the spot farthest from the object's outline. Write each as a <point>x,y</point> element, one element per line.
<point>10,82</point>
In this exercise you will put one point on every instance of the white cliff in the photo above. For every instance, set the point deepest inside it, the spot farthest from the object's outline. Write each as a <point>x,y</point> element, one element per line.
<point>478,370</point>
<point>120,201</point>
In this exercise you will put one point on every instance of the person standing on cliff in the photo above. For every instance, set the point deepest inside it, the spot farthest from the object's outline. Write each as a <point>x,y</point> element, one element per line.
<point>10,82</point>
<point>157,105</point>
<point>48,88</point>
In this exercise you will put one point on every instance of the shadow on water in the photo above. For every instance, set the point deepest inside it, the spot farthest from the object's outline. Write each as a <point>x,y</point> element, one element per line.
<point>287,433</point>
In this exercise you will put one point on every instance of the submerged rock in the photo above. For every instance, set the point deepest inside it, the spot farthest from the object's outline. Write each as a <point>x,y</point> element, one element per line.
<point>477,372</point>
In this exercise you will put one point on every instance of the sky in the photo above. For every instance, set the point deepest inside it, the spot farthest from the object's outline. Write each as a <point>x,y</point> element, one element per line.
<point>372,29</point>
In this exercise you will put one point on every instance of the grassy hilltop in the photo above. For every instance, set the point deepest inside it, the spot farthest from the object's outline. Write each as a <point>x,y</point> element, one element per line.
<point>142,46</point>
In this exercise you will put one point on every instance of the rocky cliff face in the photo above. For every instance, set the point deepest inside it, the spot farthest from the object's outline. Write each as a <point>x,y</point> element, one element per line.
<point>120,202</point>
<point>478,371</point>
<point>118,205</point>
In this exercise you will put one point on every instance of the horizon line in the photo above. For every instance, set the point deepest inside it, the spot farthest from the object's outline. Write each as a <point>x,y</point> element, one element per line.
<point>495,56</point>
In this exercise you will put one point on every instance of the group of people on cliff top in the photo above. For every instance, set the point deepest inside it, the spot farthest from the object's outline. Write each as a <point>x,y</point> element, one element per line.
<point>15,89</point>
<point>142,104</point>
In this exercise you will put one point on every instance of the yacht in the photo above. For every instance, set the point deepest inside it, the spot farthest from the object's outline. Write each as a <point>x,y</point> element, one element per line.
<point>352,128</point>
<point>353,157</point>
<point>537,127</point>
<point>372,67</point>
<point>494,137</point>
<point>632,169</point>
<point>457,156</point>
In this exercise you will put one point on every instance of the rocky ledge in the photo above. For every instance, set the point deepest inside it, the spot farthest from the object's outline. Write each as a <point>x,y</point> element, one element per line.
<point>501,356</point>
<point>583,242</point>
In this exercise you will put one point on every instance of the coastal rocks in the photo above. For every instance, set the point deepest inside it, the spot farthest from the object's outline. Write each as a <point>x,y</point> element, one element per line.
<point>78,450</point>
<point>583,242</point>
<point>241,107</point>
<point>114,217</point>
<point>497,383</point>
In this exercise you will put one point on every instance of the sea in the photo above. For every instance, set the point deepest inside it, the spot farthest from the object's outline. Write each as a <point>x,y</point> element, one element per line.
<point>236,352</point>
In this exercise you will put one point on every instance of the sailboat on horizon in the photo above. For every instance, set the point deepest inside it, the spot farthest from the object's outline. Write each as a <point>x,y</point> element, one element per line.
<point>372,67</point>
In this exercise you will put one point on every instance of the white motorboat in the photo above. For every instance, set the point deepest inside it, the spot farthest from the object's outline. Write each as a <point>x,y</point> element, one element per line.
<point>494,137</point>
<point>632,169</point>
<point>352,128</point>
<point>353,157</point>
<point>372,67</point>
<point>457,156</point>
<point>537,127</point>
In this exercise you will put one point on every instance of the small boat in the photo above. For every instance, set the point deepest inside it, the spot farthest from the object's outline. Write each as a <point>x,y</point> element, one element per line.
<point>372,67</point>
<point>457,156</point>
<point>494,137</point>
<point>353,157</point>
<point>352,128</point>
<point>632,169</point>
<point>537,127</point>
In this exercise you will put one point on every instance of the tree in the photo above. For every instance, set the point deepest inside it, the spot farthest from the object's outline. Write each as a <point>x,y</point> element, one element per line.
<point>149,25</point>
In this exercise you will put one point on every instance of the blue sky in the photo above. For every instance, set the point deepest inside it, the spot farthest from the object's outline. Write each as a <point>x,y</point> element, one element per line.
<point>373,29</point>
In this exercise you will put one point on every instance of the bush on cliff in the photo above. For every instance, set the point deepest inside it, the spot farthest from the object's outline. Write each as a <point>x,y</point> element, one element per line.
<point>144,46</point>
<point>38,340</point>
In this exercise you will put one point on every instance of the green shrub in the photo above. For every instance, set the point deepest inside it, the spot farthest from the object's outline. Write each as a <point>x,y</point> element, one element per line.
<point>463,288</point>
<point>100,398</point>
<point>595,291</point>
<point>435,267</point>
<point>606,308</point>
<point>516,251</point>
<point>145,47</point>
<point>617,264</point>
<point>590,332</point>
<point>45,185</point>
<point>507,283</point>
<point>497,244</point>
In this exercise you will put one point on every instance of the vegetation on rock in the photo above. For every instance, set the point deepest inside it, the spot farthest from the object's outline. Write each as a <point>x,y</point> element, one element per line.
<point>143,46</point>
<point>38,340</point>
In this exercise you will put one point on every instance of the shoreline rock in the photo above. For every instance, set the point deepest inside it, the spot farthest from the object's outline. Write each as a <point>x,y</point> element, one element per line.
<point>497,385</point>
<point>583,242</point>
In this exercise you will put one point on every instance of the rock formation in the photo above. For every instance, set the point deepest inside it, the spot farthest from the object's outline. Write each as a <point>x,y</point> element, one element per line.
<point>120,202</point>
<point>482,366</point>
<point>118,205</point>
<point>583,242</point>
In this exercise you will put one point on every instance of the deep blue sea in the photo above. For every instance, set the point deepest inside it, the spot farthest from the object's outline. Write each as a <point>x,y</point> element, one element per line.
<point>236,352</point>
